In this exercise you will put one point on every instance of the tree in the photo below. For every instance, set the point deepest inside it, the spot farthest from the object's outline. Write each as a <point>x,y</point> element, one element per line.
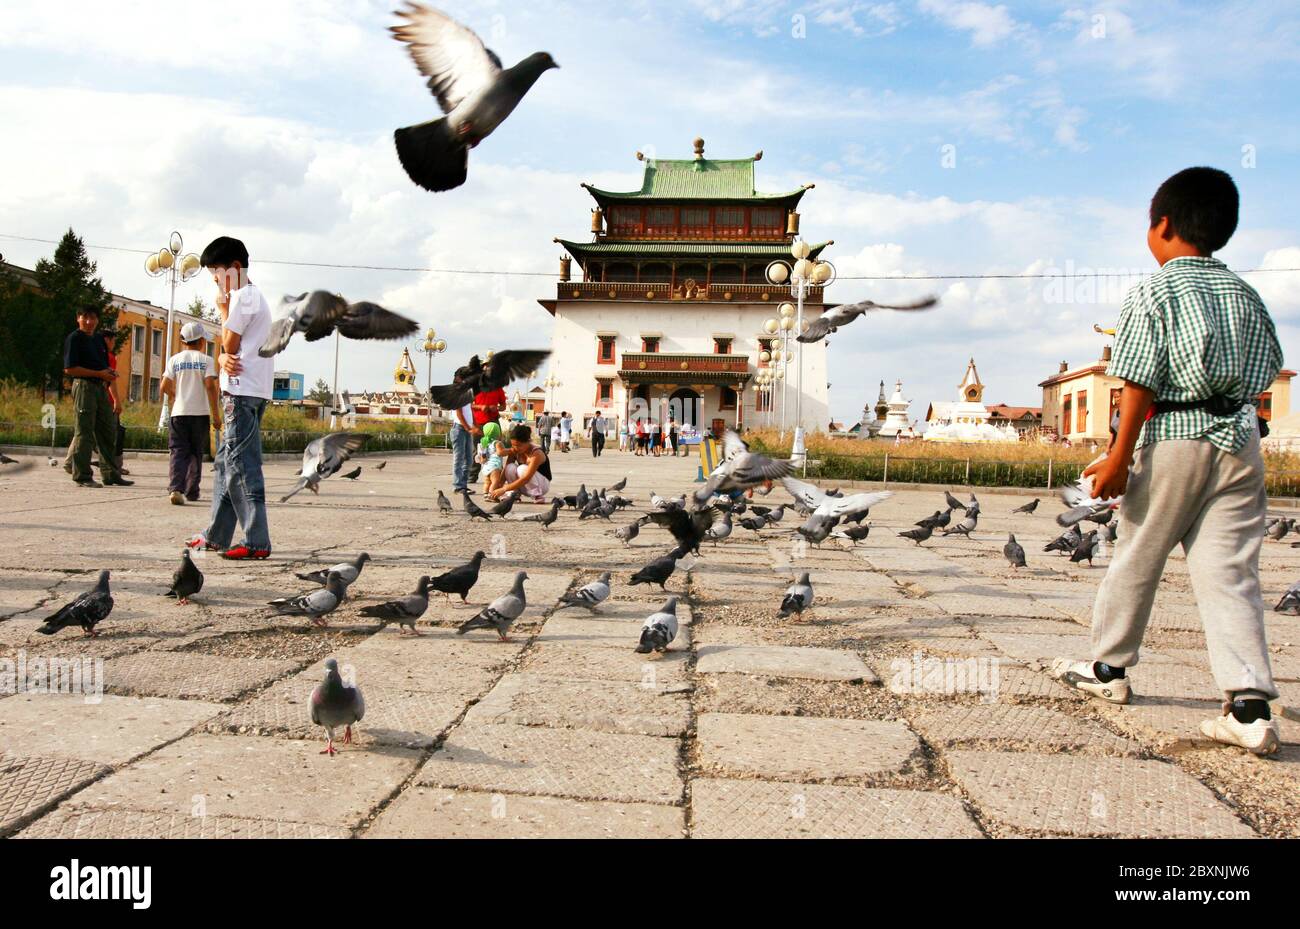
<point>322,393</point>
<point>201,309</point>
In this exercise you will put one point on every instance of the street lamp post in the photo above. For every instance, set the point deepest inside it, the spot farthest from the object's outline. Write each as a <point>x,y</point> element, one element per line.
<point>169,263</point>
<point>803,274</point>
<point>550,384</point>
<point>432,346</point>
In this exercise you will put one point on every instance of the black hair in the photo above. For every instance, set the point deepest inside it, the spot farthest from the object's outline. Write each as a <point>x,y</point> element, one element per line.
<point>223,252</point>
<point>1201,204</point>
<point>521,434</point>
<point>90,310</point>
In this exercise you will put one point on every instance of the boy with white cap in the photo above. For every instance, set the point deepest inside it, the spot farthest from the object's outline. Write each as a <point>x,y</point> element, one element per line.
<point>191,388</point>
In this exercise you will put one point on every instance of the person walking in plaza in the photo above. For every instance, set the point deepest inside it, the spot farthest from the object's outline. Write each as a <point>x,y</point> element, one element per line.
<point>543,425</point>
<point>94,397</point>
<point>191,387</point>
<point>670,442</point>
<point>597,433</point>
<point>246,381</point>
<point>622,435</point>
<point>566,431</point>
<point>1195,347</point>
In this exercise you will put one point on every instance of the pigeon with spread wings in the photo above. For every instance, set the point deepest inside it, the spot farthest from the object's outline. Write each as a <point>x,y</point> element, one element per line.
<point>824,505</point>
<point>478,377</point>
<point>741,469</point>
<point>323,457</point>
<point>319,313</point>
<point>472,88</point>
<point>831,320</point>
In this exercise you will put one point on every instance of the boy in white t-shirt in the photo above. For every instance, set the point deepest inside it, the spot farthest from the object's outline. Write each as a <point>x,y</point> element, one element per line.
<point>190,385</point>
<point>238,491</point>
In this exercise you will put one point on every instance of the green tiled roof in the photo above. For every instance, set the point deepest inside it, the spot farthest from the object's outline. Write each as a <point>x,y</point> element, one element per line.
<point>696,179</point>
<point>701,249</point>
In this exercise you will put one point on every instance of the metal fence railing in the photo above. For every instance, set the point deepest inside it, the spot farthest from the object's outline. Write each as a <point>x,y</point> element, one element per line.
<point>140,438</point>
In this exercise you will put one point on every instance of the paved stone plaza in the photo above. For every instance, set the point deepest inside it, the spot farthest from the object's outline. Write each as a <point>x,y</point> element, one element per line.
<point>911,700</point>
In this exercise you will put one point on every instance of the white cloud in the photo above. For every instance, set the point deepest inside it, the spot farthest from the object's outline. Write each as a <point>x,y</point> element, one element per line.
<point>987,24</point>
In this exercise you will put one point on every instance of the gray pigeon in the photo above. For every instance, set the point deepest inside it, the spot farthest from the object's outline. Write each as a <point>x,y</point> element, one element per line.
<point>626,534</point>
<point>720,529</point>
<point>1014,551</point>
<point>966,526</point>
<point>187,581</point>
<point>473,509</point>
<point>659,629</point>
<point>1290,602</point>
<point>798,597</point>
<point>619,485</point>
<point>86,611</point>
<point>778,514</point>
<point>471,87</point>
<point>918,535</point>
<point>834,504</point>
<point>816,529</point>
<point>754,523</point>
<point>854,534</point>
<point>1066,542</point>
<point>381,466</point>
<point>1087,548</point>
<point>501,613</point>
<point>953,502</point>
<point>323,457</point>
<point>842,315</point>
<point>1028,507</point>
<point>1279,529</point>
<point>317,604</point>
<point>548,518</point>
<point>349,571</point>
<point>590,595</point>
<point>444,505</point>
<point>741,469</point>
<point>318,314</point>
<point>335,704</point>
<point>507,504</point>
<point>404,610</point>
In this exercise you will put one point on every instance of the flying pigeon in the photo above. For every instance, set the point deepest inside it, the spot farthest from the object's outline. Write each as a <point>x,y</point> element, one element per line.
<point>444,505</point>
<point>1290,602</point>
<point>352,475</point>
<point>659,629</point>
<point>477,377</point>
<point>86,610</point>
<point>590,595</point>
<point>472,89</point>
<point>741,469</point>
<point>317,604</point>
<point>459,580</point>
<point>918,535</point>
<point>1080,493</point>
<point>824,504</point>
<point>320,313</point>
<point>953,502</point>
<point>335,704</point>
<point>831,320</point>
<point>816,529</point>
<point>657,571</point>
<point>546,519</point>
<point>626,534</point>
<point>473,509</point>
<point>501,613</point>
<point>798,597</point>
<point>1014,551</point>
<point>689,529</point>
<point>348,571</point>
<point>1099,513</point>
<point>1028,507</point>
<point>404,610</point>
<point>187,581</point>
<point>323,457</point>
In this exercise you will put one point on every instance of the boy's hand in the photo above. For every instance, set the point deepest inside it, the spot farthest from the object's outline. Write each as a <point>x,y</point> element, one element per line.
<point>1109,477</point>
<point>230,364</point>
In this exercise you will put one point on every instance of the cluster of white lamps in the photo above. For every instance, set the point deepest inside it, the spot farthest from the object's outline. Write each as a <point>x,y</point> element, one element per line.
<point>170,263</point>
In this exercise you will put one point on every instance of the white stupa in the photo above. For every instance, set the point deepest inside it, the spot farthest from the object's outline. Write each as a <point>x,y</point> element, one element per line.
<point>896,420</point>
<point>967,420</point>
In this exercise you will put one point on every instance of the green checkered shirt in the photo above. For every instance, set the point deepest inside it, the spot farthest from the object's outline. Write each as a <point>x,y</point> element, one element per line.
<point>1191,331</point>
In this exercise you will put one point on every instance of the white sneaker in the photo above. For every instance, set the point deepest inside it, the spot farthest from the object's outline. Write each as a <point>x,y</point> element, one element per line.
<point>1082,675</point>
<point>1261,737</point>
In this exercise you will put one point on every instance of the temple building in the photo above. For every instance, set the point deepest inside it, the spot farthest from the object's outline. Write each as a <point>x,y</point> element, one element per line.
<point>403,401</point>
<point>664,315</point>
<point>967,419</point>
<point>896,422</point>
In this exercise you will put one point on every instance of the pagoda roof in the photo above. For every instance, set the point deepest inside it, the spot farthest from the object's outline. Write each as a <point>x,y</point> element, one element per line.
<point>697,178</point>
<point>770,250</point>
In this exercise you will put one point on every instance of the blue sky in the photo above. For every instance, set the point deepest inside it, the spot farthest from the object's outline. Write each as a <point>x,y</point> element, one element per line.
<point>273,121</point>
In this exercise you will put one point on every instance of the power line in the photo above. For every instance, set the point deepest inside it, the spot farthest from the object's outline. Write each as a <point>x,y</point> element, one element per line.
<point>843,277</point>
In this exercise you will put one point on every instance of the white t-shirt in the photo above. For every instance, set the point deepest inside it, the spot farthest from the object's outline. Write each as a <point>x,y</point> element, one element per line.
<point>189,371</point>
<point>250,317</point>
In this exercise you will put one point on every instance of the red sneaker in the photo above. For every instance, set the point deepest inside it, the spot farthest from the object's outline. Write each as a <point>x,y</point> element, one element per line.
<point>200,542</point>
<point>244,553</point>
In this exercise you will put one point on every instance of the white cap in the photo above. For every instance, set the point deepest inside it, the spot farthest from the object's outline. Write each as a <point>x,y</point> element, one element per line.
<point>192,332</point>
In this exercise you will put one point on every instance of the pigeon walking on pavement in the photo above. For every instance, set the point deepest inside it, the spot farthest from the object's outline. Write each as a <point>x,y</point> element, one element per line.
<point>472,88</point>
<point>351,475</point>
<point>323,457</point>
<point>548,518</point>
<point>86,610</point>
<point>501,613</point>
<point>659,629</point>
<point>335,704</point>
<point>953,502</point>
<point>1086,550</point>
<point>187,581</point>
<point>473,509</point>
<point>404,610</point>
<point>444,505</point>
<point>918,535</point>
<point>1066,542</point>
<point>459,580</point>
<point>619,485</point>
<point>1290,602</point>
<point>1014,551</point>
<point>507,504</point>
<point>657,571</point>
<point>626,534</point>
<point>589,595</point>
<point>315,605</point>
<point>1028,507</point>
<point>966,526</point>
<point>349,571</point>
<point>798,597</point>
<point>854,534</point>
<point>317,315</point>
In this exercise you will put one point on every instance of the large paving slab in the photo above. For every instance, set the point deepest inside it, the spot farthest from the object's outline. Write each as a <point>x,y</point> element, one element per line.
<point>577,763</point>
<point>109,731</point>
<point>803,747</point>
<point>1086,796</point>
<point>30,785</point>
<point>73,823</point>
<point>605,706</point>
<point>586,663</point>
<point>438,813</point>
<point>1030,727</point>
<point>190,675</point>
<point>255,778</point>
<point>820,664</point>
<point>752,809</point>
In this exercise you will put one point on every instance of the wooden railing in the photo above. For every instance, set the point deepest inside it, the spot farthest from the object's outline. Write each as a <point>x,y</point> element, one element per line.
<point>633,362</point>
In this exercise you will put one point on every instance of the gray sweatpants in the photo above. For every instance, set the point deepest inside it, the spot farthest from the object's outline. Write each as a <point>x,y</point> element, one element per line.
<point>1212,503</point>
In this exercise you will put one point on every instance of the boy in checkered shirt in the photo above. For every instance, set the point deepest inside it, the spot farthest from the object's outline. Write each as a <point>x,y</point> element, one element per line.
<point>1195,348</point>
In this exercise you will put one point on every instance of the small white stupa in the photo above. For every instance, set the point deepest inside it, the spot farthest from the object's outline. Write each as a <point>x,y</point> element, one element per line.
<point>967,420</point>
<point>896,420</point>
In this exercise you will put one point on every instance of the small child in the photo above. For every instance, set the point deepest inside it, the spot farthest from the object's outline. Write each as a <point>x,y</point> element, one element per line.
<point>492,455</point>
<point>190,385</point>
<point>1195,348</point>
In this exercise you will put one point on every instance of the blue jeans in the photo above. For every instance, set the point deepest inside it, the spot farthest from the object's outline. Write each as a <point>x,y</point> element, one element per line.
<point>238,492</point>
<point>462,450</point>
